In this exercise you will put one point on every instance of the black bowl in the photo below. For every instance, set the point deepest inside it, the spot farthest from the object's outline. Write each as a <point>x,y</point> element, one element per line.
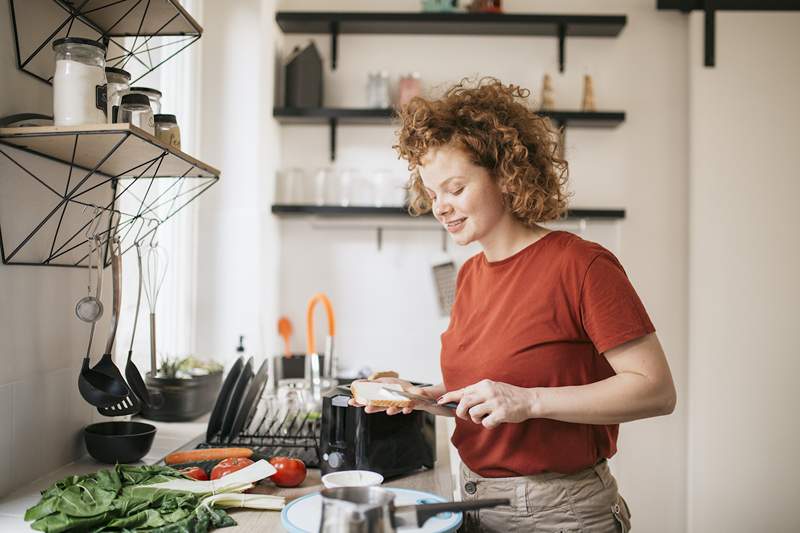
<point>119,442</point>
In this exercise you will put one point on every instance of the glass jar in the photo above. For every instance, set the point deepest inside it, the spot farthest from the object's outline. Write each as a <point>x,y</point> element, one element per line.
<point>118,83</point>
<point>167,130</point>
<point>153,94</point>
<point>79,82</point>
<point>135,109</point>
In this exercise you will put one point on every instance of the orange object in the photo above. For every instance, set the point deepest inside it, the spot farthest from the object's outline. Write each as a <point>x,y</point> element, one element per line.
<point>229,466</point>
<point>310,339</point>
<point>285,330</point>
<point>207,454</point>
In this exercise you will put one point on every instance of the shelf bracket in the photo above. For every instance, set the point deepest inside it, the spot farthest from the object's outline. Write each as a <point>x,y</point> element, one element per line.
<point>710,32</point>
<point>333,122</point>
<point>562,36</point>
<point>380,238</point>
<point>334,43</point>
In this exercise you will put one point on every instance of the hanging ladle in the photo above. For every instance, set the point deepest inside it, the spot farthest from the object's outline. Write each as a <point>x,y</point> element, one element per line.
<point>96,387</point>
<point>130,404</point>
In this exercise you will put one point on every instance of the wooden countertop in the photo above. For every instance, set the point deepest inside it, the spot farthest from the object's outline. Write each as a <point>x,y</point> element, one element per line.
<point>439,481</point>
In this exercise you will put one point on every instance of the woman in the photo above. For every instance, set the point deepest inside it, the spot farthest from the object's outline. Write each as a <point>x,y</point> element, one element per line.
<point>549,347</point>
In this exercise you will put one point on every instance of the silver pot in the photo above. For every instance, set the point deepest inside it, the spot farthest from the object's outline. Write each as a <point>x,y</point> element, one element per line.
<point>372,510</point>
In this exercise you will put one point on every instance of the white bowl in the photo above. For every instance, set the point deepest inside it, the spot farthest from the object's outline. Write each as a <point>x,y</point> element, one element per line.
<point>352,478</point>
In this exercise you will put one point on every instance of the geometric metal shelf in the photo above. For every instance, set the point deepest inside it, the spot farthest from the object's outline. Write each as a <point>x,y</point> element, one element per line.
<point>53,178</point>
<point>131,29</point>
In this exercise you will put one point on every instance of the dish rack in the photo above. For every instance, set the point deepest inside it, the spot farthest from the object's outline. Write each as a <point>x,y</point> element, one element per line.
<point>285,432</point>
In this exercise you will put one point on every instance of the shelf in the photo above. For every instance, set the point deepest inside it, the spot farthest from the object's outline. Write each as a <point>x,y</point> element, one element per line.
<point>560,26</point>
<point>367,211</point>
<point>710,8</point>
<point>333,116</point>
<point>52,179</point>
<point>140,35</point>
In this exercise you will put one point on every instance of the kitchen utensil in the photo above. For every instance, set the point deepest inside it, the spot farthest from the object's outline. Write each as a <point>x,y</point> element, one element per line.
<point>421,399</point>
<point>90,308</point>
<point>330,363</point>
<point>285,330</point>
<point>132,374</point>
<point>155,270</point>
<point>347,509</point>
<point>102,385</point>
<point>130,404</point>
<point>352,478</point>
<point>254,391</point>
<point>217,414</point>
<point>118,442</point>
<point>235,399</point>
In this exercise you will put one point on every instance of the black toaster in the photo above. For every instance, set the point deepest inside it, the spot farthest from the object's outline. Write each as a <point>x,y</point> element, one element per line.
<point>351,439</point>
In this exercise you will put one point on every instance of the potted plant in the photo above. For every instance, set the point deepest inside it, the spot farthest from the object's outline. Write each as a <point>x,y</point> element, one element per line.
<point>183,389</point>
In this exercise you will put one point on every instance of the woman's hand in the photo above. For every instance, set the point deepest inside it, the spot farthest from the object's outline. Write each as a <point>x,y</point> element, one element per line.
<point>428,392</point>
<point>491,403</point>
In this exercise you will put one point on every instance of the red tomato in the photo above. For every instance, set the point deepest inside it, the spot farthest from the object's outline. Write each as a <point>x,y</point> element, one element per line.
<point>291,472</point>
<point>228,466</point>
<point>195,472</point>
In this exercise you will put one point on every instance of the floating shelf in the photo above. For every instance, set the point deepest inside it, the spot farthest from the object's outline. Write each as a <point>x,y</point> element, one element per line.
<point>710,8</point>
<point>368,211</point>
<point>333,116</point>
<point>52,179</point>
<point>140,34</point>
<point>560,26</point>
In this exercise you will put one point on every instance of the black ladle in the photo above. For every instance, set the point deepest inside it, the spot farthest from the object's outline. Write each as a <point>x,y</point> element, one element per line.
<point>132,373</point>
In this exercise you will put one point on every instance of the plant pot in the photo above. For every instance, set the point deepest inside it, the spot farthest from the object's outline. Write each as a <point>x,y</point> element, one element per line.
<point>180,400</point>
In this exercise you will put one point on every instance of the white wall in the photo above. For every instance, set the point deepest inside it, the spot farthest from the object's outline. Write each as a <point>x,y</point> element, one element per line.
<point>386,310</point>
<point>42,343</point>
<point>744,265</point>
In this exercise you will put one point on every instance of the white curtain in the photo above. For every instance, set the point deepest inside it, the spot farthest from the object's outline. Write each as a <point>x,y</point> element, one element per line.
<point>178,80</point>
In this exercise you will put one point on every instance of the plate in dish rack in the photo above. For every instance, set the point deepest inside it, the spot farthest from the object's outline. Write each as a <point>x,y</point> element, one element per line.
<point>303,515</point>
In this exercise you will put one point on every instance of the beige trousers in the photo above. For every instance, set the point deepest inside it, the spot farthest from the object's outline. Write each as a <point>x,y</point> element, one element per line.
<point>586,502</point>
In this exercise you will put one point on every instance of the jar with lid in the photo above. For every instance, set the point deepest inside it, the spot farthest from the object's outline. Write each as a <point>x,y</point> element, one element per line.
<point>167,130</point>
<point>408,87</point>
<point>118,84</point>
<point>153,94</point>
<point>135,109</point>
<point>79,82</point>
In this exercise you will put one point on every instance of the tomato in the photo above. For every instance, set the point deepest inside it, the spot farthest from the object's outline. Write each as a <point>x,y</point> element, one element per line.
<point>291,472</point>
<point>228,466</point>
<point>195,472</point>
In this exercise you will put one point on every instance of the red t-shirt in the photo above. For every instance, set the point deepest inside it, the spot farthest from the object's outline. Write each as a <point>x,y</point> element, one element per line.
<point>540,318</point>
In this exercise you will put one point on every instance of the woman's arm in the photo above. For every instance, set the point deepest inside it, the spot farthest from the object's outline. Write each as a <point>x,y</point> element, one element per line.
<point>641,388</point>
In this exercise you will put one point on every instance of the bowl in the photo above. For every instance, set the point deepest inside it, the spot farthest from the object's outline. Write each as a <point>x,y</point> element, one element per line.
<point>352,478</point>
<point>118,442</point>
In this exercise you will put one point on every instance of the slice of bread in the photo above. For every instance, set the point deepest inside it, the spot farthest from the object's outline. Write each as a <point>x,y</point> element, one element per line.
<point>372,393</point>
<point>383,374</point>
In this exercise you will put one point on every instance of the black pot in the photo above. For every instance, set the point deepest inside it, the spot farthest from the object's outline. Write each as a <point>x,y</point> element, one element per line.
<point>180,400</point>
<point>119,442</point>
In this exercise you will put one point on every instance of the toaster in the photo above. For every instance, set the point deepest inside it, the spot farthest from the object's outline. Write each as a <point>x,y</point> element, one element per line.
<point>351,439</point>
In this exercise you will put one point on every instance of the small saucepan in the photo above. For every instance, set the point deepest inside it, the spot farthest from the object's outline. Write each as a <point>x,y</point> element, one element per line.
<point>372,509</point>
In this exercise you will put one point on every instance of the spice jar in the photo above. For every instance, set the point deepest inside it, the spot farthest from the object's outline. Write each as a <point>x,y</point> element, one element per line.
<point>118,82</point>
<point>408,87</point>
<point>79,82</point>
<point>167,130</point>
<point>135,109</point>
<point>153,94</point>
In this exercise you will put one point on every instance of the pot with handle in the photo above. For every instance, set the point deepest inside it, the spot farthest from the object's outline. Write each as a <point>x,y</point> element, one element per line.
<point>372,510</point>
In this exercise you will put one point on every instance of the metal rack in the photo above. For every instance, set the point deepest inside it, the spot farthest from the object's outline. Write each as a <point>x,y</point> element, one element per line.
<point>50,176</point>
<point>140,35</point>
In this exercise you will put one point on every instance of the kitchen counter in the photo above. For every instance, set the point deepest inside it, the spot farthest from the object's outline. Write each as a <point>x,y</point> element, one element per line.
<point>171,436</point>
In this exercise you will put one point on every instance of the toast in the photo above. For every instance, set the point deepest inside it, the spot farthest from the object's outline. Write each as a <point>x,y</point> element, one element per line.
<point>372,393</point>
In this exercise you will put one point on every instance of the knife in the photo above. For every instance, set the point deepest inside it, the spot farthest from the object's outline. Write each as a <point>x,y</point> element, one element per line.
<point>421,399</point>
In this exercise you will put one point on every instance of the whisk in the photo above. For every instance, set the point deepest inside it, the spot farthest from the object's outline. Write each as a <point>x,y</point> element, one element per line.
<point>156,261</point>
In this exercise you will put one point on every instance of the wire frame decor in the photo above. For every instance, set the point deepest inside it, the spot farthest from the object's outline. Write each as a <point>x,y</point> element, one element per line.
<point>55,180</point>
<point>140,35</point>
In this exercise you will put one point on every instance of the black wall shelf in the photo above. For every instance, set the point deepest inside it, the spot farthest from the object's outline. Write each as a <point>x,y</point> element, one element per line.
<point>368,211</point>
<point>711,7</point>
<point>357,116</point>
<point>560,26</point>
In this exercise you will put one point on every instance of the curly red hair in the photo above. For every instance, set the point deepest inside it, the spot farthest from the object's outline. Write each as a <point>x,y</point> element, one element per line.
<point>493,124</point>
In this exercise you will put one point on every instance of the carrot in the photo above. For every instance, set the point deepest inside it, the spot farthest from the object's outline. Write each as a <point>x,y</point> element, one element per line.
<point>207,454</point>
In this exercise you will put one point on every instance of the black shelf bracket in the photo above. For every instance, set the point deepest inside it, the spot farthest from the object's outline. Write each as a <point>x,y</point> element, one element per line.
<point>562,35</point>
<point>710,33</point>
<point>334,43</point>
<point>333,122</point>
